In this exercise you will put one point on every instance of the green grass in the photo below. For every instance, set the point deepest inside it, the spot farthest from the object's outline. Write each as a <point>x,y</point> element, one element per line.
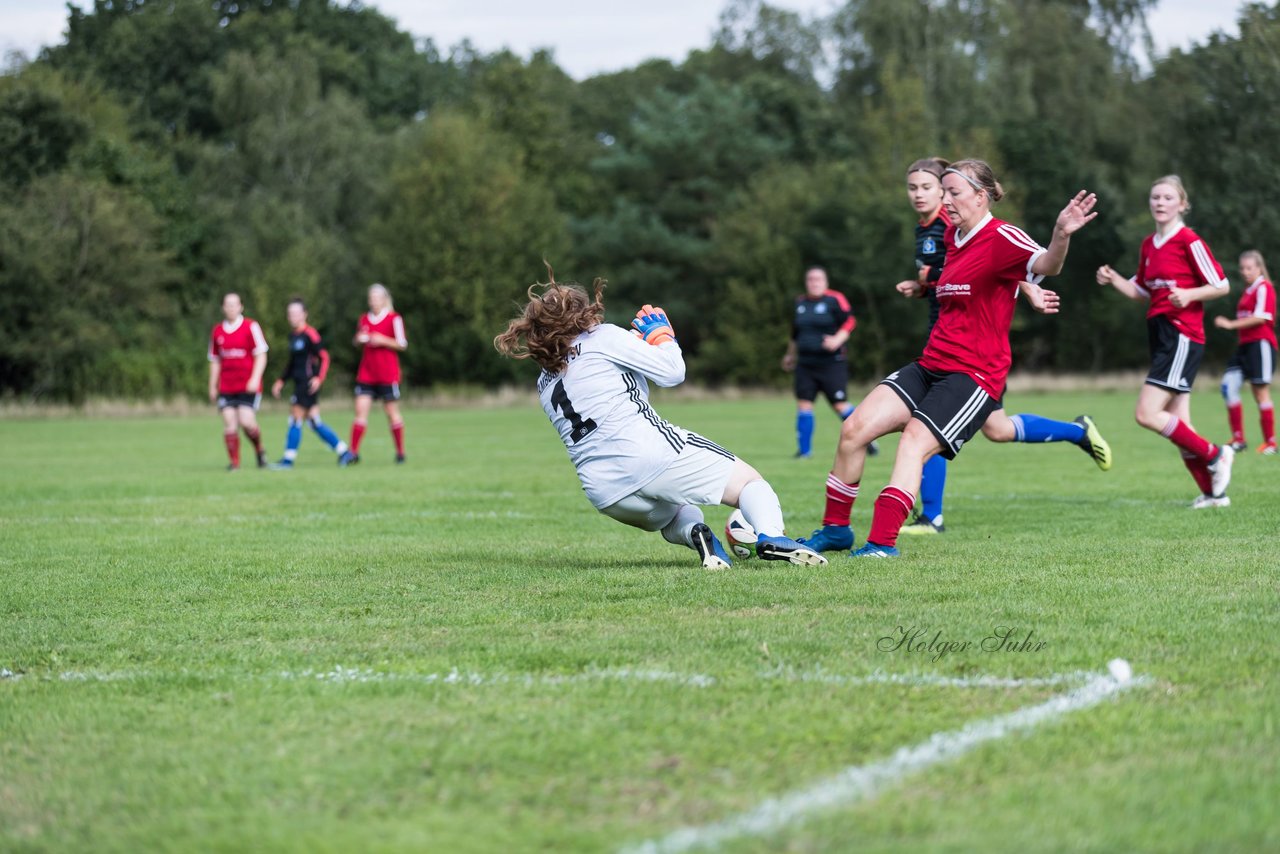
<point>184,593</point>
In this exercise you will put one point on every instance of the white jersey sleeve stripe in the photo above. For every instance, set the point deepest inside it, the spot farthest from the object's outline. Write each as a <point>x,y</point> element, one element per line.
<point>1019,238</point>
<point>1260,307</point>
<point>259,340</point>
<point>1205,262</point>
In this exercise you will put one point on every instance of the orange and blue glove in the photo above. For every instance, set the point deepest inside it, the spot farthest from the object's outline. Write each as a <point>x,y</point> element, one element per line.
<point>652,325</point>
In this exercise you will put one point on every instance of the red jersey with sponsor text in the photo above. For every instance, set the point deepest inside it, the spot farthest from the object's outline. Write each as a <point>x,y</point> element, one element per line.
<point>977,292</point>
<point>234,345</point>
<point>380,365</point>
<point>1181,260</point>
<point>1258,300</point>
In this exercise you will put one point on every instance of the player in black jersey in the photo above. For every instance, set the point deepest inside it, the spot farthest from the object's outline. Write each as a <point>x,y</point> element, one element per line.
<point>820,327</point>
<point>308,366</point>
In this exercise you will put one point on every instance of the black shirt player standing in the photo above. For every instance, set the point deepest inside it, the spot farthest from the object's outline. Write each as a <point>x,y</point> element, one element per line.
<point>820,327</point>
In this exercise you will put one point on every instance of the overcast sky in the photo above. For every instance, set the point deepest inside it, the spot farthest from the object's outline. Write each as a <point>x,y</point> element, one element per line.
<point>588,36</point>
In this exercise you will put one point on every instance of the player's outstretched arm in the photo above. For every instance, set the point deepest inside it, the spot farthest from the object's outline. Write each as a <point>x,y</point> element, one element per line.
<point>1108,276</point>
<point>1078,213</point>
<point>1043,301</point>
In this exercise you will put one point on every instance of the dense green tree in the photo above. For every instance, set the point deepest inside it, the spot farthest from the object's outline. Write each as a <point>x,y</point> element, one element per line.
<point>462,232</point>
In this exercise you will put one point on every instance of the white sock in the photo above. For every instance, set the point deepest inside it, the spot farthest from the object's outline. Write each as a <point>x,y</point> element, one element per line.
<point>759,503</point>
<point>679,530</point>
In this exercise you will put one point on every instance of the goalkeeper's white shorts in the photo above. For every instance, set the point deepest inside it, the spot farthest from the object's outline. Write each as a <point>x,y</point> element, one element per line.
<point>697,476</point>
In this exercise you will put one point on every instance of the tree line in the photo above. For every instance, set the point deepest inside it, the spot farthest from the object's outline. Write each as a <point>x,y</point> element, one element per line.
<point>167,152</point>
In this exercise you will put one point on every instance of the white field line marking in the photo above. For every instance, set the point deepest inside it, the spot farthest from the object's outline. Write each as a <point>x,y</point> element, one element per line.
<point>861,782</point>
<point>340,675</point>
<point>879,677</point>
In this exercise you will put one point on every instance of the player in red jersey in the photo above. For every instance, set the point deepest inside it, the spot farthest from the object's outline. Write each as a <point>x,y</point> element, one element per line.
<point>1255,358</point>
<point>942,400</point>
<point>380,334</point>
<point>1176,274</point>
<point>924,190</point>
<point>237,358</point>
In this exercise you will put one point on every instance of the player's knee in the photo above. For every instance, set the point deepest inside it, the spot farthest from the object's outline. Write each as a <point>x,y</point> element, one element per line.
<point>1147,420</point>
<point>1001,432</point>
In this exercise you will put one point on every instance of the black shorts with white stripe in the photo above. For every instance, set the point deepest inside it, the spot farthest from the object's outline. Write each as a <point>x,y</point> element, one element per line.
<point>1175,358</point>
<point>952,405</point>
<point>1256,362</point>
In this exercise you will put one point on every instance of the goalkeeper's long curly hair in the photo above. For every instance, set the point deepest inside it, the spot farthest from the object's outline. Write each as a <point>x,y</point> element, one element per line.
<point>556,314</point>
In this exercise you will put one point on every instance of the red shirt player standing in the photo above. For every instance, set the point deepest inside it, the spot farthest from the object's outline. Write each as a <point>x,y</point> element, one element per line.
<point>943,399</point>
<point>380,334</point>
<point>1255,358</point>
<point>1176,273</point>
<point>237,359</point>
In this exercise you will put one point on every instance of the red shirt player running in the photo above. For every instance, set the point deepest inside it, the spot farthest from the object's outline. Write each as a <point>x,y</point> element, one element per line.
<point>1176,274</point>
<point>380,334</point>
<point>1255,358</point>
<point>237,358</point>
<point>940,401</point>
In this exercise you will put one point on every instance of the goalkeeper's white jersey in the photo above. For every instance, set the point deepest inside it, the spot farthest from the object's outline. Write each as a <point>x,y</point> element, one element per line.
<point>599,405</point>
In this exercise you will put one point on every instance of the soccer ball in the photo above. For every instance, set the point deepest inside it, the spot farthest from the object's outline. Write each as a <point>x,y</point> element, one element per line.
<point>741,536</point>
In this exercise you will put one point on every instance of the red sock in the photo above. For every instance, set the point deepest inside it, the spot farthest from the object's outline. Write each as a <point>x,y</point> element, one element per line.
<point>840,498</point>
<point>1235,417</point>
<point>1188,440</point>
<point>892,508</point>
<point>1267,413</point>
<point>233,447</point>
<point>397,433</point>
<point>1199,471</point>
<point>357,433</point>
<point>255,436</point>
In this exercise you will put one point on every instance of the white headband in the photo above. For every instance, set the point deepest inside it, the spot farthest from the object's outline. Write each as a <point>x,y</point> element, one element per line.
<point>972,182</point>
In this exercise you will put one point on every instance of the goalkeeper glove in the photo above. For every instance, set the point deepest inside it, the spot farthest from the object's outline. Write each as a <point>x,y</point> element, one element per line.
<point>652,325</point>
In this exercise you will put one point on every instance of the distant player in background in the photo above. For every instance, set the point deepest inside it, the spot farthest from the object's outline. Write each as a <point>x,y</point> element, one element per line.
<point>634,466</point>
<point>1176,274</point>
<point>820,328</point>
<point>380,335</point>
<point>1255,358</point>
<point>924,191</point>
<point>941,400</point>
<point>237,359</point>
<point>308,366</point>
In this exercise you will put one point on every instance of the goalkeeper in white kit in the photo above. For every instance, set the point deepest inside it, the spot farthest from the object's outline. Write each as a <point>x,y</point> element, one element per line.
<point>635,466</point>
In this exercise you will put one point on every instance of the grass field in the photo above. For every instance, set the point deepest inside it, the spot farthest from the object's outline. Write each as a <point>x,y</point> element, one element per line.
<point>460,655</point>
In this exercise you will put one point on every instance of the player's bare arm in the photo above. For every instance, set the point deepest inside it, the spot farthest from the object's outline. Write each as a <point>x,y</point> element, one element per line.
<point>1043,301</point>
<point>910,288</point>
<point>1183,297</point>
<point>254,384</point>
<point>215,373</point>
<point>1108,276</point>
<point>1078,213</point>
<point>377,339</point>
<point>790,358</point>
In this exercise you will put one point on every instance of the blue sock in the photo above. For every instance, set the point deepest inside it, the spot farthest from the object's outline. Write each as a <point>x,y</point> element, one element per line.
<point>1033,428</point>
<point>932,485</point>
<point>845,413</point>
<point>292,439</point>
<point>804,431</point>
<point>326,434</point>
